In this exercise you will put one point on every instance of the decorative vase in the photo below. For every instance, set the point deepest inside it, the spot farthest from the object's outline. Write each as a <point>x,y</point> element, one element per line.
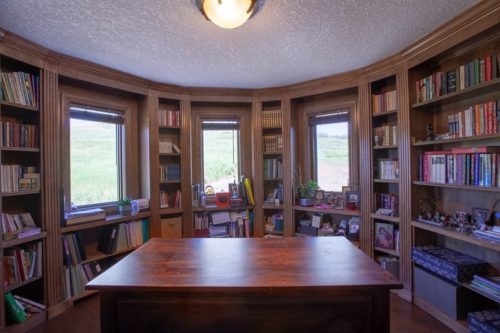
<point>306,202</point>
<point>124,209</point>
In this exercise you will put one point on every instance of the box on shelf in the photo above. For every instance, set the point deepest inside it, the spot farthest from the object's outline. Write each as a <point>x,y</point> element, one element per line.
<point>171,227</point>
<point>447,263</point>
<point>487,321</point>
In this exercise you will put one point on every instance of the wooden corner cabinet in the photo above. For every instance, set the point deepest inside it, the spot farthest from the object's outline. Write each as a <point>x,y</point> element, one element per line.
<point>22,228</point>
<point>455,140</point>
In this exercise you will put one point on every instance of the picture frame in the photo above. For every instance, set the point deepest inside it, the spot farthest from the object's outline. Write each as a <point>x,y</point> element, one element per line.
<point>320,195</point>
<point>233,190</point>
<point>353,198</point>
<point>480,215</point>
<point>345,189</point>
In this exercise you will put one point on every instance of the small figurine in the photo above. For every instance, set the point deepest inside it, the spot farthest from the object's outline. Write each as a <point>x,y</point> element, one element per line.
<point>429,132</point>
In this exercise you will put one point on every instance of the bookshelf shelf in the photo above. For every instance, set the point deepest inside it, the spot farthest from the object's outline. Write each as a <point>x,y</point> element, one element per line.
<point>452,233</point>
<point>385,218</point>
<point>218,209</point>
<point>274,153</point>
<point>387,251</point>
<point>166,211</point>
<point>386,113</point>
<point>18,106</point>
<point>20,284</point>
<point>466,93</point>
<point>99,256</point>
<point>112,219</point>
<point>385,147</point>
<point>463,187</point>
<point>387,181</point>
<point>170,182</point>
<point>463,139</point>
<point>169,127</point>
<point>478,291</point>
<point>270,207</point>
<point>170,154</point>
<point>273,179</point>
<point>15,194</point>
<point>346,212</point>
<point>16,242</point>
<point>20,149</point>
<point>29,323</point>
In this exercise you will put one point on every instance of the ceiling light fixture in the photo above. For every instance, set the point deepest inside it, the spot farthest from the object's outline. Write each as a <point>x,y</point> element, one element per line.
<point>228,14</point>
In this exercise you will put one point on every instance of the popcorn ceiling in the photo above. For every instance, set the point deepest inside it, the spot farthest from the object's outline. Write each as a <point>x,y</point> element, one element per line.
<point>286,42</point>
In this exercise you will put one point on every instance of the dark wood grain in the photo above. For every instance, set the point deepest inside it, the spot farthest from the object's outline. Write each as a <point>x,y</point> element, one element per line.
<point>223,285</point>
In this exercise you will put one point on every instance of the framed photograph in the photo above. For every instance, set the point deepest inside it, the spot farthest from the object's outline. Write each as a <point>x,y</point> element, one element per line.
<point>320,195</point>
<point>233,190</point>
<point>480,215</point>
<point>24,184</point>
<point>384,235</point>
<point>352,197</point>
<point>345,189</point>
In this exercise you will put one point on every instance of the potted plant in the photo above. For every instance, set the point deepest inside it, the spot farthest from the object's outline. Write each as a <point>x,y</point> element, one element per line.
<point>124,206</point>
<point>307,192</point>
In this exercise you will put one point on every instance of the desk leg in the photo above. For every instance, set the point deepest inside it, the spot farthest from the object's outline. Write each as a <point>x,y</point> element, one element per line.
<point>381,307</point>
<point>108,312</point>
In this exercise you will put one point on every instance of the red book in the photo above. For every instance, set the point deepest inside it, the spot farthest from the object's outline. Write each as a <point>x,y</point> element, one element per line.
<point>487,67</point>
<point>475,150</point>
<point>426,168</point>
<point>437,152</point>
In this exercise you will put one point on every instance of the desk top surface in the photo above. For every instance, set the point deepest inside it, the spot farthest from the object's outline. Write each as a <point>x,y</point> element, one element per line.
<point>245,264</point>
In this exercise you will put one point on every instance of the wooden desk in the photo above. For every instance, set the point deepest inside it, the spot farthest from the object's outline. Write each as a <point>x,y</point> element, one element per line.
<point>318,284</point>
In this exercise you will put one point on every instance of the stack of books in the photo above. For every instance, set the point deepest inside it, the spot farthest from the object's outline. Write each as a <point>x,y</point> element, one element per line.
<point>18,226</point>
<point>480,119</point>
<point>384,102</point>
<point>271,118</point>
<point>15,134</point>
<point>170,172</point>
<point>488,285</point>
<point>85,215</point>
<point>169,118</point>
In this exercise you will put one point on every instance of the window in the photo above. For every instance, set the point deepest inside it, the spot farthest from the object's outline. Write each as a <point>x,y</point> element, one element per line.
<point>95,155</point>
<point>330,137</point>
<point>221,153</point>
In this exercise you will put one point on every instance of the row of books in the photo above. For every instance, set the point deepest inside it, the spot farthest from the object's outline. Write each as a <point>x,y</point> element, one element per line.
<point>167,147</point>
<point>19,226</point>
<point>271,118</point>
<point>21,264</point>
<point>386,236</point>
<point>386,135</point>
<point>169,118</point>
<point>170,172</point>
<point>387,204</point>
<point>488,285</point>
<point>19,308</point>
<point>492,235</point>
<point>273,143</point>
<point>273,194</point>
<point>273,168</point>
<point>77,276</point>
<point>17,178</point>
<point>170,199</point>
<point>15,134</point>
<point>384,102</point>
<point>236,224</point>
<point>20,88</point>
<point>467,75</point>
<point>479,119</point>
<point>388,169</point>
<point>119,237</point>
<point>477,166</point>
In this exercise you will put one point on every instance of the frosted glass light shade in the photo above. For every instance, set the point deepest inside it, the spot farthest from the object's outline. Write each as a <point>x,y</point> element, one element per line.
<point>228,14</point>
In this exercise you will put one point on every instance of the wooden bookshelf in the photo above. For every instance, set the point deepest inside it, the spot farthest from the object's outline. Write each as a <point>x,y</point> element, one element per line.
<point>96,256</point>
<point>385,113</point>
<point>334,211</point>
<point>385,147</point>
<point>20,193</point>
<point>17,242</point>
<point>20,284</point>
<point>19,106</point>
<point>166,211</point>
<point>112,219</point>
<point>387,251</point>
<point>29,323</point>
<point>386,181</point>
<point>387,218</point>
<point>438,112</point>
<point>219,209</point>
<point>22,150</point>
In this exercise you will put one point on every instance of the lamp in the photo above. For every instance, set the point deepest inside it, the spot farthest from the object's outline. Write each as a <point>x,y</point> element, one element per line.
<point>228,14</point>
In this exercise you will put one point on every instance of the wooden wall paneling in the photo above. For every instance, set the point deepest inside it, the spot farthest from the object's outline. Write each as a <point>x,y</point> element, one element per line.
<point>186,153</point>
<point>2,273</point>
<point>144,135</point>
<point>258,166</point>
<point>154,203</point>
<point>222,95</point>
<point>405,166</point>
<point>286,114</point>
<point>365,173</point>
<point>51,135</point>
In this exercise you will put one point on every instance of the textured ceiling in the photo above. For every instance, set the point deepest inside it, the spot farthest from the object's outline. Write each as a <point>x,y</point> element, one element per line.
<point>287,41</point>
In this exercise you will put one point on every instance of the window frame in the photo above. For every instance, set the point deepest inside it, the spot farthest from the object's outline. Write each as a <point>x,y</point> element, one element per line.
<point>220,127</point>
<point>128,186</point>
<point>340,115</point>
